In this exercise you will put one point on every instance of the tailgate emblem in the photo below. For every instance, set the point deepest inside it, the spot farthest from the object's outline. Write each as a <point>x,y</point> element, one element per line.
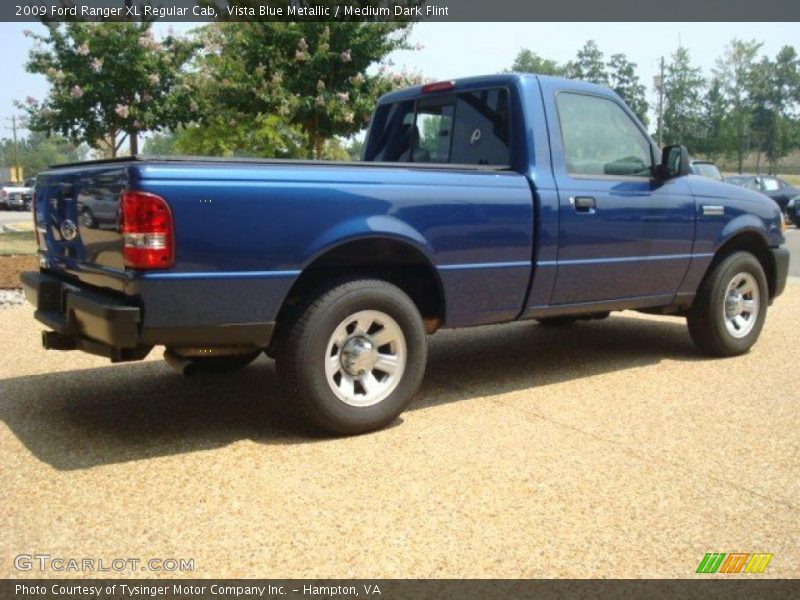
<point>69,231</point>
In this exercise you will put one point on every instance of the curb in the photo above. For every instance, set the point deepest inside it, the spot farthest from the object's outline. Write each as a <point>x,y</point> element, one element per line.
<point>12,228</point>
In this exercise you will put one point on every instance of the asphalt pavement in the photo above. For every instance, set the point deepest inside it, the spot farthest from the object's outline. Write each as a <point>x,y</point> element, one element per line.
<point>8,217</point>
<point>606,449</point>
<point>792,236</point>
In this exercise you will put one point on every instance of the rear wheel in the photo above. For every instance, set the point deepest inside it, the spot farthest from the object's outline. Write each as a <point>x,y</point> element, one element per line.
<point>354,357</point>
<point>728,313</point>
<point>87,219</point>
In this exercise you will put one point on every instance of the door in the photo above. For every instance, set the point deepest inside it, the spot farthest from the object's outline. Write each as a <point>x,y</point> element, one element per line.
<point>622,235</point>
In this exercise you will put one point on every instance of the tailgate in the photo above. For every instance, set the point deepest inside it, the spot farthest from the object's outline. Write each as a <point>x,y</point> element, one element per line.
<point>78,223</point>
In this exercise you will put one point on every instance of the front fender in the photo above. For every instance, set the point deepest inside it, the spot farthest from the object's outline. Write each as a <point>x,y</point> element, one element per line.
<point>745,223</point>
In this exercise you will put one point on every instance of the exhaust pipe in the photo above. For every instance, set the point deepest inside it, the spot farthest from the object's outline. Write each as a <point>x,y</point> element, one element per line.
<point>180,364</point>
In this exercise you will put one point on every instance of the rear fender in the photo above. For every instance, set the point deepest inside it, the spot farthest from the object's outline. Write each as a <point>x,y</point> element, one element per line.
<point>358,228</point>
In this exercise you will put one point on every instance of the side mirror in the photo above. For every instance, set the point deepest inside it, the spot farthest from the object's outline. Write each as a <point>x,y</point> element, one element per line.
<point>674,162</point>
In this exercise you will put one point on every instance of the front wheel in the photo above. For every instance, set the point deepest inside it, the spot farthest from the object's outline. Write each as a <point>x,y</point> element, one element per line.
<point>728,313</point>
<point>353,359</point>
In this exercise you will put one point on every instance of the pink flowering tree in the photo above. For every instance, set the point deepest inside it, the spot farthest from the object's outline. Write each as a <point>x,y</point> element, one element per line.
<point>321,79</point>
<point>109,82</point>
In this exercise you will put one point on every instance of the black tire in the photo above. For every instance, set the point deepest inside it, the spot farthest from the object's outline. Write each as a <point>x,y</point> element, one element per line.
<point>706,318</point>
<point>224,364</point>
<point>557,321</point>
<point>301,357</point>
<point>87,219</point>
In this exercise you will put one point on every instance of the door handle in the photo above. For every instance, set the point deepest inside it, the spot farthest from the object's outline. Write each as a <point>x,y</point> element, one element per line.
<point>583,204</point>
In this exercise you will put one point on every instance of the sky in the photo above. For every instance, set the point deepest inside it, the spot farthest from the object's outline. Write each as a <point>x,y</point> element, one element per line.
<point>452,50</point>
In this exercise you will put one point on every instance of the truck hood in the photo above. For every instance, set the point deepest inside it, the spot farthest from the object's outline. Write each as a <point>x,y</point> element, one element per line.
<point>741,204</point>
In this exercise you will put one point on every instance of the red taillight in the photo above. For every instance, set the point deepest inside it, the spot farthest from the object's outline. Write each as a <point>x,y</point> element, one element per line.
<point>147,231</point>
<point>439,86</point>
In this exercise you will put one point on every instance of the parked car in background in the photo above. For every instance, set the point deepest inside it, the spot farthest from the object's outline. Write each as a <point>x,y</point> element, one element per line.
<point>774,187</point>
<point>793,211</point>
<point>16,196</point>
<point>705,168</point>
<point>27,197</point>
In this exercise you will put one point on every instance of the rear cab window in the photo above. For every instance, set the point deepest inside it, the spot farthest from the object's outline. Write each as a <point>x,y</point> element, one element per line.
<point>465,128</point>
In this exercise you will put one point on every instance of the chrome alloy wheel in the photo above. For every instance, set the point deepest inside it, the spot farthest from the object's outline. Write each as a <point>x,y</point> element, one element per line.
<point>366,358</point>
<point>740,309</point>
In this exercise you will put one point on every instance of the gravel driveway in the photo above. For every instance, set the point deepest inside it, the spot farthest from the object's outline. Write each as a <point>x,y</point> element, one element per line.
<point>607,449</point>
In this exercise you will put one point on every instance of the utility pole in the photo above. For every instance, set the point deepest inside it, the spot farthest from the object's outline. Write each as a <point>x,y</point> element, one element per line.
<point>658,81</point>
<point>14,154</point>
<point>16,159</point>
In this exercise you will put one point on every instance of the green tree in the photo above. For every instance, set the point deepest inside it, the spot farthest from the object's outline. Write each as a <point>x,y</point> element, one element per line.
<point>774,89</point>
<point>713,140</point>
<point>683,91</point>
<point>109,80</point>
<point>530,62</point>
<point>161,144</point>
<point>320,79</point>
<point>735,71</point>
<point>355,147</point>
<point>249,136</point>
<point>589,65</point>
<point>625,82</point>
<point>38,151</point>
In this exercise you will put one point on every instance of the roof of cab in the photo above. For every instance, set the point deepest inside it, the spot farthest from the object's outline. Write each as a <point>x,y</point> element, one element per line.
<point>466,83</point>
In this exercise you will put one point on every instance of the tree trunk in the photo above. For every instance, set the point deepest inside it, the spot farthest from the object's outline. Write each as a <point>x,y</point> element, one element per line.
<point>112,142</point>
<point>319,146</point>
<point>133,137</point>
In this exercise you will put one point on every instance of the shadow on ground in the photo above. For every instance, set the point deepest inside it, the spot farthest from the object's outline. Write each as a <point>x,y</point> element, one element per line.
<point>85,418</point>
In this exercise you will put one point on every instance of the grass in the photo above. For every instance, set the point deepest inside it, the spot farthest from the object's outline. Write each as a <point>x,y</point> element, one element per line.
<point>793,179</point>
<point>15,244</point>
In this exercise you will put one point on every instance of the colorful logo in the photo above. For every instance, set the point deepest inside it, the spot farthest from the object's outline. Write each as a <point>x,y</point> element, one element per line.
<point>735,562</point>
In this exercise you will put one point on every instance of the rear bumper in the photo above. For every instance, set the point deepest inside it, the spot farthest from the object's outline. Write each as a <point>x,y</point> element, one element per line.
<point>781,260</point>
<point>82,318</point>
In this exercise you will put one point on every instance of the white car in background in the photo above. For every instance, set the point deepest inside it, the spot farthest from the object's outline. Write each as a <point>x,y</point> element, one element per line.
<point>18,197</point>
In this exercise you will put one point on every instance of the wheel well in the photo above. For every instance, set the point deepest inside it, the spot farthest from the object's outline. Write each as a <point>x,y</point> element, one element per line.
<point>397,262</point>
<point>755,244</point>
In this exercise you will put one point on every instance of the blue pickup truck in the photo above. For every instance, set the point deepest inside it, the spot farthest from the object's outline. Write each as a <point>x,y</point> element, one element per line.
<point>482,200</point>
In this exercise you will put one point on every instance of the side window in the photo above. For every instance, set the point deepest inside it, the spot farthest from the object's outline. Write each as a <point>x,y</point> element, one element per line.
<point>771,184</point>
<point>390,133</point>
<point>601,139</point>
<point>752,184</point>
<point>481,134</point>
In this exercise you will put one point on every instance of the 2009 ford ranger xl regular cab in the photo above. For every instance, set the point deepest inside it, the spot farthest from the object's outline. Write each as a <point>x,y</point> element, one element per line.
<point>482,200</point>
